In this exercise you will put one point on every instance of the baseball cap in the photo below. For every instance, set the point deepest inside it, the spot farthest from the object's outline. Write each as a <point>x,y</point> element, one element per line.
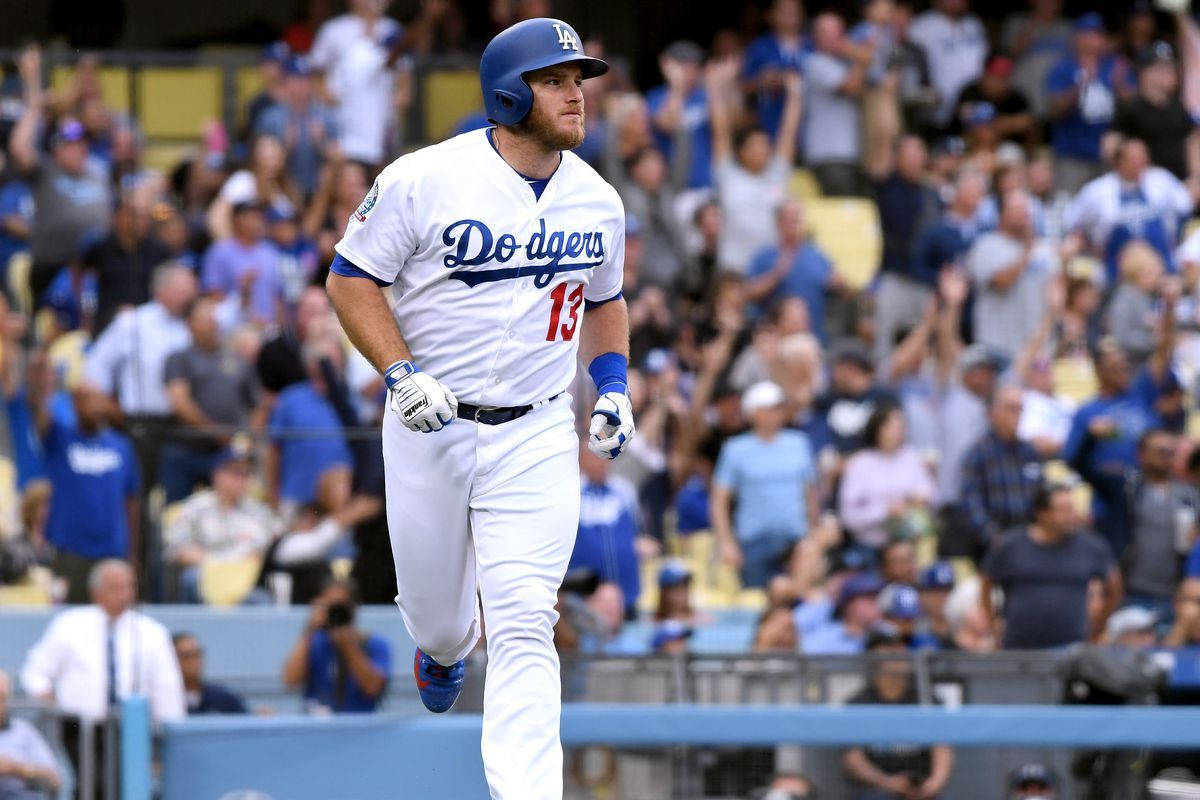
<point>978,355</point>
<point>1090,22</point>
<point>763,394</point>
<point>860,584</point>
<point>297,65</point>
<point>669,630</point>
<point>277,52</point>
<point>1009,154</point>
<point>673,573</point>
<point>900,601</point>
<point>1159,52</point>
<point>850,559</point>
<point>851,351</point>
<point>1133,619</point>
<point>238,450</point>
<point>70,130</point>
<point>938,575</point>
<point>248,205</point>
<point>1033,772</point>
<point>684,50</point>
<point>281,213</point>
<point>948,146</point>
<point>1001,66</point>
<point>658,360</point>
<point>980,114</point>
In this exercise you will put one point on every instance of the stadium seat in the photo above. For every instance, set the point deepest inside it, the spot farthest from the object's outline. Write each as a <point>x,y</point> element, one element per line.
<point>248,82</point>
<point>804,185</point>
<point>178,102</point>
<point>226,583</point>
<point>847,229</point>
<point>9,498</point>
<point>19,267</point>
<point>114,84</point>
<point>447,97</point>
<point>165,156</point>
<point>1075,379</point>
<point>66,354</point>
<point>28,593</point>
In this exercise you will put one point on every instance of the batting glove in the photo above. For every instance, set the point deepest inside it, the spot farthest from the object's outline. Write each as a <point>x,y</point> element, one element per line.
<point>422,401</point>
<point>612,425</point>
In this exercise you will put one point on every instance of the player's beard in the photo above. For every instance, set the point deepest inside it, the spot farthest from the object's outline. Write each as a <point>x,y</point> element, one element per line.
<point>542,128</point>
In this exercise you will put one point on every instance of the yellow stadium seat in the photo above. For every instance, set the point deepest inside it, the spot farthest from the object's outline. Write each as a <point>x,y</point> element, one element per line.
<point>114,84</point>
<point>447,97</point>
<point>178,102</point>
<point>19,267</point>
<point>248,83</point>
<point>24,594</point>
<point>1190,227</point>
<point>847,229</point>
<point>66,355</point>
<point>1075,379</point>
<point>165,156</point>
<point>804,185</point>
<point>9,498</point>
<point>226,583</point>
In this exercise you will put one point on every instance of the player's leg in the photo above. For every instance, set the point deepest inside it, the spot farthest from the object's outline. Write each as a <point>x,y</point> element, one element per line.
<point>428,479</point>
<point>524,512</point>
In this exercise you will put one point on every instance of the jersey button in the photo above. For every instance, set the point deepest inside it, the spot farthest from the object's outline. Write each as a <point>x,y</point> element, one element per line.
<point>511,334</point>
<point>496,381</point>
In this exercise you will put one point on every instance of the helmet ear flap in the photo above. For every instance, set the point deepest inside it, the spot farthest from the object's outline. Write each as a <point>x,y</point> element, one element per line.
<point>510,105</point>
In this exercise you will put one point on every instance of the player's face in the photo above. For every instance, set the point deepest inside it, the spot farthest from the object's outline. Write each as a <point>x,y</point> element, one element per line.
<point>556,120</point>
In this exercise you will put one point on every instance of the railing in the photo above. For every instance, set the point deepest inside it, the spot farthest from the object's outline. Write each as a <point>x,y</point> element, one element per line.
<point>98,751</point>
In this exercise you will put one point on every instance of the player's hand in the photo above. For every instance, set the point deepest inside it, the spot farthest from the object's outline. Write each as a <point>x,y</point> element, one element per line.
<point>612,425</point>
<point>422,401</point>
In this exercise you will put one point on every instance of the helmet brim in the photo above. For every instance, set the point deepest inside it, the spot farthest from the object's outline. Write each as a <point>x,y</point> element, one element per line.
<point>591,67</point>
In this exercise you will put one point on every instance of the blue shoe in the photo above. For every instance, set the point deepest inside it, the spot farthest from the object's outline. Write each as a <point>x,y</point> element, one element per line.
<point>438,685</point>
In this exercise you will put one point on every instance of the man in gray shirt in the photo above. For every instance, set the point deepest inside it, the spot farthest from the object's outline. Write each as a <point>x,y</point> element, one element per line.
<point>71,192</point>
<point>831,121</point>
<point>1010,268</point>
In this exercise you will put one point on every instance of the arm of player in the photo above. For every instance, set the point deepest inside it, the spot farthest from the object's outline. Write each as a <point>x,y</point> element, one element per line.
<point>423,403</point>
<point>604,346</point>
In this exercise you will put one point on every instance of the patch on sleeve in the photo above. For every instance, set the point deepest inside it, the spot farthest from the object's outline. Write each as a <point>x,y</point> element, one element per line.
<point>368,203</point>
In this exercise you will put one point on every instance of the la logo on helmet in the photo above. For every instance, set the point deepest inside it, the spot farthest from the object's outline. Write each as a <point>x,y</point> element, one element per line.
<point>565,38</point>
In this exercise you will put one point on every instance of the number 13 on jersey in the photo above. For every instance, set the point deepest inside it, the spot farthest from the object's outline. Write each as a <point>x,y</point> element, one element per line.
<point>561,328</point>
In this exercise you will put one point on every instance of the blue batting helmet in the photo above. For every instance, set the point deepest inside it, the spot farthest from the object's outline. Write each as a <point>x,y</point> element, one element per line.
<point>519,50</point>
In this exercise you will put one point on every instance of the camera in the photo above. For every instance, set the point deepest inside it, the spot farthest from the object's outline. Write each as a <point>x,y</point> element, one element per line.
<point>338,615</point>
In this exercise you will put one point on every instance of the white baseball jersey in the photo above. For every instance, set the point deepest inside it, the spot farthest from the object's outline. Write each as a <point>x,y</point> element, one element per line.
<point>488,283</point>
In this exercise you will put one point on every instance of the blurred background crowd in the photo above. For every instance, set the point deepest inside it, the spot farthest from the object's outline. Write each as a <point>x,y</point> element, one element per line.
<point>914,297</point>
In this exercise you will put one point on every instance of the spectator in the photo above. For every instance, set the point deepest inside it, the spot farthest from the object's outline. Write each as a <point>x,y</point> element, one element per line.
<point>608,529</point>
<point>1082,90</point>
<point>307,439</point>
<point>208,386</point>
<point>1010,268</point>
<point>945,241</point>
<point>1132,627</point>
<point>775,631</point>
<point>264,182</point>
<point>279,363</point>
<point>955,44</point>
<point>886,488</point>
<point>1131,314</point>
<point>124,260</point>
<point>202,696</point>
<point>771,58</point>
<point>914,83</point>
<point>270,73</point>
<point>934,586</point>
<point>1156,115</point>
<point>1185,630</point>
<point>219,524</point>
<point>900,607</point>
<point>670,637</point>
<point>795,267</point>
<point>679,115</point>
<point>1150,519</point>
<point>750,174</point>
<point>1036,40</point>
<point>129,359</point>
<point>832,147</point>
<point>298,257</point>
<point>1032,781</point>
<point>1011,121</point>
<point>1136,201</point>
<point>307,128</point>
<point>675,593</point>
<point>772,473</point>
<point>878,35</point>
<point>66,181</point>
<point>28,768</point>
<point>898,562</point>
<point>1045,570</point>
<point>892,771</point>
<point>1000,474</point>
<point>852,397</point>
<point>338,667</point>
<point>352,52</point>
<point>16,221</point>
<point>341,188</point>
<point>856,611</point>
<point>907,205</point>
<point>649,196</point>
<point>244,268</point>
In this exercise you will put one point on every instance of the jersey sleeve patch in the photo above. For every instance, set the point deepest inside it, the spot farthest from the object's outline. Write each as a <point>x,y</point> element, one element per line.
<point>342,266</point>
<point>368,203</point>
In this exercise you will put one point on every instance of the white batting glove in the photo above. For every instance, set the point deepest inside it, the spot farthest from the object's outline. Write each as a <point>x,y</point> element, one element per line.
<point>612,425</point>
<point>422,401</point>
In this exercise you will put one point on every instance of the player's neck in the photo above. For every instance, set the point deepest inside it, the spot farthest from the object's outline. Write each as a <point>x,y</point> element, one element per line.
<point>524,154</point>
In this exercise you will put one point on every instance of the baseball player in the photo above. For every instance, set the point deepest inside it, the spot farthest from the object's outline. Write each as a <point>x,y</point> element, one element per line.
<point>473,276</point>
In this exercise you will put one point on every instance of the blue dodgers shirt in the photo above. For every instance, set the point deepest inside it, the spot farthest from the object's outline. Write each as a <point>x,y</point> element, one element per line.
<point>807,278</point>
<point>769,479</point>
<point>302,458</point>
<point>92,476</point>
<point>695,121</point>
<point>330,683</point>
<point>604,543</point>
<point>765,53</point>
<point>1078,134</point>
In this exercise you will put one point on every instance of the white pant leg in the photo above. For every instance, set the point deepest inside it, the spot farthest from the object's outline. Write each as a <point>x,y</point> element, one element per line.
<point>524,516</point>
<point>428,482</point>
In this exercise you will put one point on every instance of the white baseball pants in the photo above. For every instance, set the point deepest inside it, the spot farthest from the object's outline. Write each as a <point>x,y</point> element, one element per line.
<point>493,509</point>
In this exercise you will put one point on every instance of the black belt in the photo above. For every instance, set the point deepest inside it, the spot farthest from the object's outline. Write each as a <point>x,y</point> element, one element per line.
<point>495,416</point>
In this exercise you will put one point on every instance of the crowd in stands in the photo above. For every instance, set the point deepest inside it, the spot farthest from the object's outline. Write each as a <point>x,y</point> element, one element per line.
<point>983,443</point>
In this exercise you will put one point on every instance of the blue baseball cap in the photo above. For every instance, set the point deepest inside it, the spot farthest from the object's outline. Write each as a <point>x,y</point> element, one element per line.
<point>70,130</point>
<point>860,584</point>
<point>1034,772</point>
<point>669,630</point>
<point>980,114</point>
<point>1090,22</point>
<point>899,601</point>
<point>938,575</point>
<point>673,573</point>
<point>277,52</point>
<point>298,65</point>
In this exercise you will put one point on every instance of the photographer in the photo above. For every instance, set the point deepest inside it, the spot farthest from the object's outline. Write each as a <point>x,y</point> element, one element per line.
<point>339,667</point>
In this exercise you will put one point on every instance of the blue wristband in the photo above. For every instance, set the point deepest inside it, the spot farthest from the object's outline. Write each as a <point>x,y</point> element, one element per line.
<point>608,372</point>
<point>398,372</point>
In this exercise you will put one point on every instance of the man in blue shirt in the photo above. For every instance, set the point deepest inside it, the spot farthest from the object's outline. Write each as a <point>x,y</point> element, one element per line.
<point>772,473</point>
<point>681,105</point>
<point>769,57</point>
<point>339,667</point>
<point>1083,89</point>
<point>607,529</point>
<point>308,129</point>
<point>248,263</point>
<point>94,479</point>
<point>16,219</point>
<point>845,631</point>
<point>795,267</point>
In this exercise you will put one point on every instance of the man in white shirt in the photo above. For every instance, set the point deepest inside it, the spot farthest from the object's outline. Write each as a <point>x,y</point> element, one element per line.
<point>955,44</point>
<point>28,769</point>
